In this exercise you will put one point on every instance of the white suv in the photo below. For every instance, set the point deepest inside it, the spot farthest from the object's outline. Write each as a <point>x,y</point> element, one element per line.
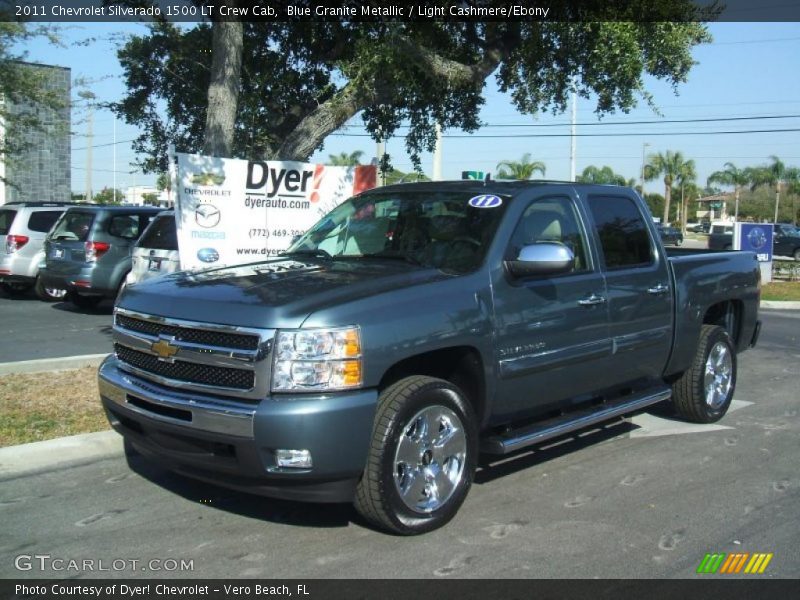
<point>23,228</point>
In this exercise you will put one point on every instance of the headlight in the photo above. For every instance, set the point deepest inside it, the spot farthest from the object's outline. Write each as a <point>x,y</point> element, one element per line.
<point>317,359</point>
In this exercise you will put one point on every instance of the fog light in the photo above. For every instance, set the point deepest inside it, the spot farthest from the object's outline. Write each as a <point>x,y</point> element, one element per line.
<point>293,459</point>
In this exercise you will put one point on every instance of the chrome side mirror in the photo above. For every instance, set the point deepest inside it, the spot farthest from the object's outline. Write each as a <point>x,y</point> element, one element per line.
<point>545,258</point>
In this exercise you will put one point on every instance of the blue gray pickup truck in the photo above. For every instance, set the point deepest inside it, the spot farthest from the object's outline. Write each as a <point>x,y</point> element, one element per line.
<point>416,326</point>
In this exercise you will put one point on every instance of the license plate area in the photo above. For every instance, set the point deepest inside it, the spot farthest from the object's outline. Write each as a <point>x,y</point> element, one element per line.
<point>57,253</point>
<point>154,264</point>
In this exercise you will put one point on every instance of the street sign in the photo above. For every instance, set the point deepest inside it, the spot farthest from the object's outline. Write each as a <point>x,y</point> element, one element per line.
<point>715,205</point>
<point>479,175</point>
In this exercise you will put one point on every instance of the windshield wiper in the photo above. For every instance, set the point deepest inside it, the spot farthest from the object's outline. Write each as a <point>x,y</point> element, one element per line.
<point>318,253</point>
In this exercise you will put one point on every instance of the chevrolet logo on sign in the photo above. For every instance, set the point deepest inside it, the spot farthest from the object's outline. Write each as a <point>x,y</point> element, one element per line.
<point>164,350</point>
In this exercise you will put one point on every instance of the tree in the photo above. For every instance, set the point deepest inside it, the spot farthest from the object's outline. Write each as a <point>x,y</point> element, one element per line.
<point>592,174</point>
<point>397,176</point>
<point>522,170</point>
<point>671,165</point>
<point>150,199</point>
<point>107,196</point>
<point>343,159</point>
<point>27,100</point>
<point>164,183</point>
<point>301,81</point>
<point>770,175</point>
<point>731,175</point>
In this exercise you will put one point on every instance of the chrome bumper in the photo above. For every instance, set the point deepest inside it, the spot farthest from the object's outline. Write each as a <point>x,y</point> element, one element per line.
<point>201,413</point>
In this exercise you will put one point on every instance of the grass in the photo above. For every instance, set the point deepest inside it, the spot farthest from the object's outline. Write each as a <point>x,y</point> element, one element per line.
<point>42,406</point>
<point>781,290</point>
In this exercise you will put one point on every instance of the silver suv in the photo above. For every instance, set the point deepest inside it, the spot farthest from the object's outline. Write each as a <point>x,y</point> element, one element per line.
<point>23,229</point>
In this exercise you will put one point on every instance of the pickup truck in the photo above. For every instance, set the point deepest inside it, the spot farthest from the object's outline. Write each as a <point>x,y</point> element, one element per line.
<point>417,326</point>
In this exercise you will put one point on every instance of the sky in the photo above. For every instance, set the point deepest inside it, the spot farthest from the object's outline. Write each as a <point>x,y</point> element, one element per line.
<point>749,70</point>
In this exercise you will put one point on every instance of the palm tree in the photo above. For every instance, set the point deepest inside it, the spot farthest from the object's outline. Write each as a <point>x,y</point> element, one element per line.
<point>522,170</point>
<point>343,159</point>
<point>732,175</point>
<point>592,174</point>
<point>670,164</point>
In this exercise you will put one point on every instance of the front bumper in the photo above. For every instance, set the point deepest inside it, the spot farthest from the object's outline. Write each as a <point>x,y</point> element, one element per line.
<point>233,443</point>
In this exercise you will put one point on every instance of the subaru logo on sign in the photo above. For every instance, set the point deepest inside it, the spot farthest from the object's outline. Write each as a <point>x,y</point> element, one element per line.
<point>208,255</point>
<point>485,201</point>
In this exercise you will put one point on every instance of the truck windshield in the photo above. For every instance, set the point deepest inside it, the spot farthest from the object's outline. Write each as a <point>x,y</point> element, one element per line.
<point>445,230</point>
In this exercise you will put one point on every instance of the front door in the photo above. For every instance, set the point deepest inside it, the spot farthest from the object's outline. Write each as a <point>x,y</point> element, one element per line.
<point>552,337</point>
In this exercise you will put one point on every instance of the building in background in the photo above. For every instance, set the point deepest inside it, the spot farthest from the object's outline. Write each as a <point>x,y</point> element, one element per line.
<point>43,171</point>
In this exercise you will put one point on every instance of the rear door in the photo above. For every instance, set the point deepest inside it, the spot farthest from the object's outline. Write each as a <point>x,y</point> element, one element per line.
<point>65,243</point>
<point>638,285</point>
<point>551,332</point>
<point>156,252</point>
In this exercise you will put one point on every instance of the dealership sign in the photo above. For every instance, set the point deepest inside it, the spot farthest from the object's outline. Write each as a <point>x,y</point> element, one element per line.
<point>231,211</point>
<point>755,237</point>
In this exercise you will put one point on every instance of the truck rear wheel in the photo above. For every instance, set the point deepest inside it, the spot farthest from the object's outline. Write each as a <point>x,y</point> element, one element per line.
<point>421,459</point>
<point>704,392</point>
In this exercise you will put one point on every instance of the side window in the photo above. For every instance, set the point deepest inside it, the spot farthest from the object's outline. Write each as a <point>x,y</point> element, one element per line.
<point>43,220</point>
<point>622,230</point>
<point>551,220</point>
<point>124,226</point>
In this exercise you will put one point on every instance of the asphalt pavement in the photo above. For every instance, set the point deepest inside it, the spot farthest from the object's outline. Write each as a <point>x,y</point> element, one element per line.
<point>31,329</point>
<point>643,498</point>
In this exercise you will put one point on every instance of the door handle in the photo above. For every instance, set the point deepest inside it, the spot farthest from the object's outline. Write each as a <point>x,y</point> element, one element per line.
<point>592,300</point>
<point>658,290</point>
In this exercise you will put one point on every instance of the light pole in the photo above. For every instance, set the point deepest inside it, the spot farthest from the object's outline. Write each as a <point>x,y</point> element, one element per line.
<point>644,146</point>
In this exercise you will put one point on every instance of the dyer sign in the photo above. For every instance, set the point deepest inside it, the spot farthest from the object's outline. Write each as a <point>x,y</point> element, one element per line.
<point>232,211</point>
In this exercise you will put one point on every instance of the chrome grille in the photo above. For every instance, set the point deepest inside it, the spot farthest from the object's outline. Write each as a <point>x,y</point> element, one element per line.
<point>186,371</point>
<point>213,359</point>
<point>196,336</point>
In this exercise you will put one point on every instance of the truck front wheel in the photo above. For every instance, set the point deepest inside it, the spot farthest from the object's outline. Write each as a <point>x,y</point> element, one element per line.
<point>421,459</point>
<point>704,392</point>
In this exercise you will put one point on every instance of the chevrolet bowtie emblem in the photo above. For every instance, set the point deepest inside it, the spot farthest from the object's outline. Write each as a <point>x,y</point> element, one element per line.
<point>164,350</point>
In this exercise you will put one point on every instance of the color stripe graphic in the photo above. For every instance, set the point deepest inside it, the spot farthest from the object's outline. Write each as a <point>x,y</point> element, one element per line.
<point>734,563</point>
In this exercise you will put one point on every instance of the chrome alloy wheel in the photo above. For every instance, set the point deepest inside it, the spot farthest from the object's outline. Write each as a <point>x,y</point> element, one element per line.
<point>430,458</point>
<point>718,377</point>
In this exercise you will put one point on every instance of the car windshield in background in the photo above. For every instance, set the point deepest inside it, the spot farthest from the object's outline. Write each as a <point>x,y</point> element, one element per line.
<point>6,219</point>
<point>439,230</point>
<point>160,235</point>
<point>74,226</point>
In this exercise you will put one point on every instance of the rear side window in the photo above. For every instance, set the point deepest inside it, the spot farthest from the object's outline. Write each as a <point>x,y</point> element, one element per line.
<point>622,231</point>
<point>6,219</point>
<point>74,226</point>
<point>160,235</point>
<point>124,226</point>
<point>43,220</point>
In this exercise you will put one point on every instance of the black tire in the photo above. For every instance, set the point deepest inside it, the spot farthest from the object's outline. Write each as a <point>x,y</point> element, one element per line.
<point>48,294</point>
<point>85,302</point>
<point>401,413</point>
<point>692,395</point>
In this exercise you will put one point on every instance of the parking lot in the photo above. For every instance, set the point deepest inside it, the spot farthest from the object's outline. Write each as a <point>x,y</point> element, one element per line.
<point>645,497</point>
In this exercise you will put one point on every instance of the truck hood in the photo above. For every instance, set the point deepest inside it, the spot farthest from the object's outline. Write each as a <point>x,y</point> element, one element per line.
<point>275,293</point>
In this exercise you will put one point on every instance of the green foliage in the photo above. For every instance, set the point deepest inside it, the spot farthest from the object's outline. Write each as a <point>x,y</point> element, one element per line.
<point>164,182</point>
<point>343,159</point>
<point>150,199</point>
<point>397,176</point>
<point>521,170</point>
<point>302,80</point>
<point>106,196</point>
<point>592,174</point>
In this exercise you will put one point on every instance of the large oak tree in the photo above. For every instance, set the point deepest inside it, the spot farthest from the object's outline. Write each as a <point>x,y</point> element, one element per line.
<point>277,90</point>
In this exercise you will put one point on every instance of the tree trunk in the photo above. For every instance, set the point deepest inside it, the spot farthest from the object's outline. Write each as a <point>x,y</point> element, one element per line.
<point>223,91</point>
<point>667,197</point>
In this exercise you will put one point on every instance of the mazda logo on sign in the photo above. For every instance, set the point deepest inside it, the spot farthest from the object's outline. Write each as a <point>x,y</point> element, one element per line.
<point>207,215</point>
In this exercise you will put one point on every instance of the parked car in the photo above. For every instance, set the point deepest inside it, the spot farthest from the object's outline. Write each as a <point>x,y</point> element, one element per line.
<point>670,235</point>
<point>156,252</point>
<point>720,237</point>
<point>373,363</point>
<point>88,252</point>
<point>23,229</point>
<point>786,240</point>
<point>702,227</point>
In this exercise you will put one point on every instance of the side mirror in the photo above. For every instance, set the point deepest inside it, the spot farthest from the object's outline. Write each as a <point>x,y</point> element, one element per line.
<point>545,258</point>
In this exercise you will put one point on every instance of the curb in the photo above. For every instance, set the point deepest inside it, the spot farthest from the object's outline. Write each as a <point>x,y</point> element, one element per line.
<point>51,364</point>
<point>50,454</point>
<point>780,305</point>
